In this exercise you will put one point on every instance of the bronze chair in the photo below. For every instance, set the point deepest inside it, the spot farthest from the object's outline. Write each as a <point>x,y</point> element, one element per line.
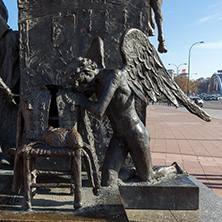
<point>25,169</point>
<point>36,139</point>
<point>25,163</point>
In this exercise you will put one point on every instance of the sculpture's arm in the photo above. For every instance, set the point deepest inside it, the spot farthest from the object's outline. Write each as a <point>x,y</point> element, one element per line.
<point>111,85</point>
<point>6,92</point>
<point>108,90</point>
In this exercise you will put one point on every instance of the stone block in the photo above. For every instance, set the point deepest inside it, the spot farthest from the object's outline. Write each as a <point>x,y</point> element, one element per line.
<point>178,194</point>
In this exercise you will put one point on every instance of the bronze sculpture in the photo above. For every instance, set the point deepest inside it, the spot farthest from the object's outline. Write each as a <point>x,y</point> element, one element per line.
<point>43,81</point>
<point>56,142</point>
<point>9,85</point>
<point>142,74</point>
<point>156,6</point>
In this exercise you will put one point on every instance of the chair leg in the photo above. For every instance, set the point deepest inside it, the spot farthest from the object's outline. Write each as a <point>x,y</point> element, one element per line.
<point>33,175</point>
<point>76,171</point>
<point>33,170</point>
<point>27,180</point>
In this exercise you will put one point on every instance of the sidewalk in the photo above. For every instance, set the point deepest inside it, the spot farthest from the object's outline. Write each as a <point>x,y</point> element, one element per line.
<point>194,144</point>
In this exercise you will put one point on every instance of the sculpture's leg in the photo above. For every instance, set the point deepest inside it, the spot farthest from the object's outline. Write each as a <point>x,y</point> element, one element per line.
<point>137,141</point>
<point>114,159</point>
<point>77,178</point>
<point>157,5</point>
<point>27,180</point>
<point>141,109</point>
<point>151,23</point>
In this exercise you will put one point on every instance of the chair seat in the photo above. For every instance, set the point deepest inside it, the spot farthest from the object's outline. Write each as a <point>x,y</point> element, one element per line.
<point>41,149</point>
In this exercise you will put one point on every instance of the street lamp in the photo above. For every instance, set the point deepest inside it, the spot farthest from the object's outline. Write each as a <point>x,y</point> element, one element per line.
<point>192,75</point>
<point>177,67</point>
<point>189,64</point>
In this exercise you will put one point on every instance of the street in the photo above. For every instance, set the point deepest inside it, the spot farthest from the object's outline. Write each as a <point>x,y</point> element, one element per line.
<point>214,104</point>
<point>213,108</point>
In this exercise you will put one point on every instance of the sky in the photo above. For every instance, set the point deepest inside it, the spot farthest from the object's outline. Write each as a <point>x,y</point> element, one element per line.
<point>185,22</point>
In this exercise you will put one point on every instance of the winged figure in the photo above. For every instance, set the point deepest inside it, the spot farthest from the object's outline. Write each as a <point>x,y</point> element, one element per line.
<point>142,75</point>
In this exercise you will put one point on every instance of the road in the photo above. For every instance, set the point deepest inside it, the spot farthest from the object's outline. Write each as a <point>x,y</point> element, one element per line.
<point>213,108</point>
<point>213,104</point>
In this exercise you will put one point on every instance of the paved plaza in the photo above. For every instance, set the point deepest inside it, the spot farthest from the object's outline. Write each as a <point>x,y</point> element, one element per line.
<point>193,143</point>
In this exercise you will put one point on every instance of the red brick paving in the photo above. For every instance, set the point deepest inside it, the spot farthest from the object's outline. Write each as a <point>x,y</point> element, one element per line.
<point>182,137</point>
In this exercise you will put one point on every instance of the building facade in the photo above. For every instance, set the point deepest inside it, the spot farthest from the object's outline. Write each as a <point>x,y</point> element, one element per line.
<point>216,83</point>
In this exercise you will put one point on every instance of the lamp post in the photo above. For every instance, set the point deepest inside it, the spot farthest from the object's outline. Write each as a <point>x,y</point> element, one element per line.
<point>192,75</point>
<point>177,67</point>
<point>188,83</point>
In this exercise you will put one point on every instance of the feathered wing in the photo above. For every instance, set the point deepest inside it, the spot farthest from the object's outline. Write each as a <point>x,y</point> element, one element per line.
<point>96,52</point>
<point>147,76</point>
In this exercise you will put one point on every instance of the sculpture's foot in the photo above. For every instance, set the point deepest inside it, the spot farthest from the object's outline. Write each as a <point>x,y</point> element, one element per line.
<point>160,172</point>
<point>162,47</point>
<point>127,173</point>
<point>151,32</point>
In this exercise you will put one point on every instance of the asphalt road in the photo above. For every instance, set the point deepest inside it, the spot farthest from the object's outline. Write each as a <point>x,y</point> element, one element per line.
<point>213,104</point>
<point>213,108</point>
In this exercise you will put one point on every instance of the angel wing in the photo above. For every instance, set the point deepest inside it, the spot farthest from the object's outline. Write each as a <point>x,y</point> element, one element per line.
<point>147,76</point>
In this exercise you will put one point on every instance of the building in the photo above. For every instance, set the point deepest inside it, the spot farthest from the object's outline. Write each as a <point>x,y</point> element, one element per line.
<point>215,83</point>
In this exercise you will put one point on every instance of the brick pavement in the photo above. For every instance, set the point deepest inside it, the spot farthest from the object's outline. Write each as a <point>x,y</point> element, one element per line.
<point>195,144</point>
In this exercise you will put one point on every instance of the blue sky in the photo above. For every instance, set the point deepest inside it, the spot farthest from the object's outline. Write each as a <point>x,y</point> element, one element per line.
<point>185,22</point>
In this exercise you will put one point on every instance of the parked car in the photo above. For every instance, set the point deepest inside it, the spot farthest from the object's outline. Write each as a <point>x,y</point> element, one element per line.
<point>197,100</point>
<point>208,97</point>
<point>214,97</point>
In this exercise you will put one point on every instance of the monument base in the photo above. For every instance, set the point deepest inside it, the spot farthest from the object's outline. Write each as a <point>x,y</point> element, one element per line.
<point>209,209</point>
<point>179,193</point>
<point>57,205</point>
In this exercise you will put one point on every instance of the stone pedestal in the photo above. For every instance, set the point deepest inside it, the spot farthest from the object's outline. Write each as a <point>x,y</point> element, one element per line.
<point>57,204</point>
<point>177,194</point>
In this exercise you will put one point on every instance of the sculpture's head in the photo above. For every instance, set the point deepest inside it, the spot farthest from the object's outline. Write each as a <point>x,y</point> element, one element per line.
<point>81,71</point>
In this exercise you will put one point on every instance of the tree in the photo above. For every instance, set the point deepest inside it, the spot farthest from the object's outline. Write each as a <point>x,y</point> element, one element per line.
<point>193,86</point>
<point>203,84</point>
<point>182,82</point>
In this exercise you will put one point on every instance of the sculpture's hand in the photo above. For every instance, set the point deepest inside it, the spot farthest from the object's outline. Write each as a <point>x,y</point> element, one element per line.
<point>94,108</point>
<point>84,101</point>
